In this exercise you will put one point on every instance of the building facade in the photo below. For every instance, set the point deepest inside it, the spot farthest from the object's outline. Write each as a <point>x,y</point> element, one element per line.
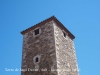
<point>48,49</point>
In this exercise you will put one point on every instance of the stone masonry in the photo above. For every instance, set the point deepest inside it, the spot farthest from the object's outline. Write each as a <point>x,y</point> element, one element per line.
<point>65,53</point>
<point>49,52</point>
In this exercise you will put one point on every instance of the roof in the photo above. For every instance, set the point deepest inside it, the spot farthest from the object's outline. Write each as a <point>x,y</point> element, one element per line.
<point>48,20</point>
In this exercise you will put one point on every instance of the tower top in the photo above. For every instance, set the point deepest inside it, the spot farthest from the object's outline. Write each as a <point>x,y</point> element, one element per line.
<point>52,18</point>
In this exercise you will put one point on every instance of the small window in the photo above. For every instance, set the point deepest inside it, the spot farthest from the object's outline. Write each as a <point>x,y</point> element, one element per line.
<point>36,32</point>
<point>64,34</point>
<point>37,59</point>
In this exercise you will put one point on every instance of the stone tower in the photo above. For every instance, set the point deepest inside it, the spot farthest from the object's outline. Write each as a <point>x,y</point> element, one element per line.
<point>48,49</point>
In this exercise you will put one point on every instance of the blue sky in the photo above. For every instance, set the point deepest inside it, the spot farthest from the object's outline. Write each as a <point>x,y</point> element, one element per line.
<point>81,17</point>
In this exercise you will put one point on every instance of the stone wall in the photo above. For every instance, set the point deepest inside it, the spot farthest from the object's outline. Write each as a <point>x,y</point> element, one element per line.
<point>56,53</point>
<point>42,46</point>
<point>65,53</point>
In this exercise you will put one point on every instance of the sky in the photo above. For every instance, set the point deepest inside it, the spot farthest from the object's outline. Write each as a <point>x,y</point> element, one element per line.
<point>81,17</point>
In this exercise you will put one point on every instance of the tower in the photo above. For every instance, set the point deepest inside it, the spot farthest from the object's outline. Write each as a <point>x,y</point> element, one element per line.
<point>48,49</point>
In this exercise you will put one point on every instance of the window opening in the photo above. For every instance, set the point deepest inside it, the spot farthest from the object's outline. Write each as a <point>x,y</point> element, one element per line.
<point>36,32</point>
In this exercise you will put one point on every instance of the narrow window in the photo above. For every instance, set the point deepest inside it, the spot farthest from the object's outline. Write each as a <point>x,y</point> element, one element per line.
<point>64,34</point>
<point>37,59</point>
<point>36,32</point>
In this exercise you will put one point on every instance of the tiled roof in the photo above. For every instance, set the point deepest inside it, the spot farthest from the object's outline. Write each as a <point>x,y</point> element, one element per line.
<point>48,20</point>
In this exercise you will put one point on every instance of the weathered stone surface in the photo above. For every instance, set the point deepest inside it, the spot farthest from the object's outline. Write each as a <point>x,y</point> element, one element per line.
<point>43,45</point>
<point>65,53</point>
<point>56,53</point>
